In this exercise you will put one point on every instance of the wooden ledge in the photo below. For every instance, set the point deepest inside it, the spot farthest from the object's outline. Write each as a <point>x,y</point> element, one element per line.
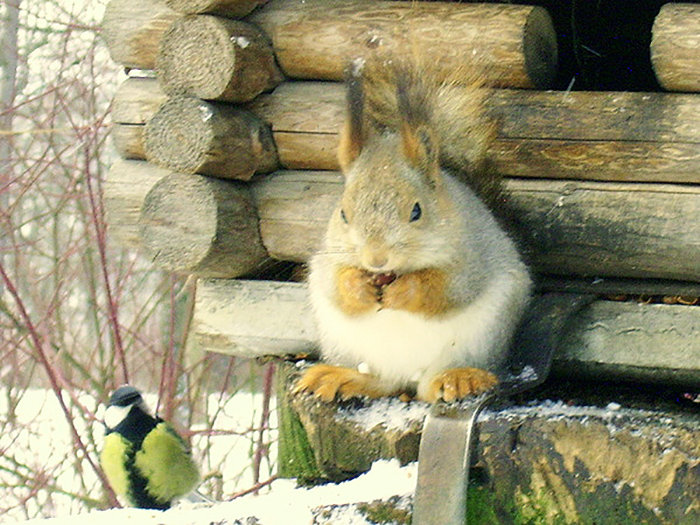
<point>579,463</point>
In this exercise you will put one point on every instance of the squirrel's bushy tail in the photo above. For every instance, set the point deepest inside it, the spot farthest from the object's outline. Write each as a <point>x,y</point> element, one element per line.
<point>393,91</point>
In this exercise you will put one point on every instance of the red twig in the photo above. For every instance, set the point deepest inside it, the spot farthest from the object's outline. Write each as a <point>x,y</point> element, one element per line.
<point>261,447</point>
<point>254,488</point>
<point>54,380</point>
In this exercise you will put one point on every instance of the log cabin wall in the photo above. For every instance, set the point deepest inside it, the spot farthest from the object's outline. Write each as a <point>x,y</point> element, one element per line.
<point>604,182</point>
<point>228,122</point>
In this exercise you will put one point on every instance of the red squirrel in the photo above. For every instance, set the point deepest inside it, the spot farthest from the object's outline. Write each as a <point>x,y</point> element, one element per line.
<point>417,286</point>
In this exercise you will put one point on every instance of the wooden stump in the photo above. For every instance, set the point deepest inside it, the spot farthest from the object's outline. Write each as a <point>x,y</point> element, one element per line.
<point>572,228</point>
<point>126,185</point>
<point>512,45</point>
<point>537,462</point>
<point>200,225</point>
<point>190,135</point>
<point>216,58</point>
<point>675,47</point>
<point>132,30</point>
<point>230,8</point>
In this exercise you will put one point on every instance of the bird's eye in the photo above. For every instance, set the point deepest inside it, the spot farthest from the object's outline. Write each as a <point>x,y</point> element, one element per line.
<point>342,216</point>
<point>415,213</point>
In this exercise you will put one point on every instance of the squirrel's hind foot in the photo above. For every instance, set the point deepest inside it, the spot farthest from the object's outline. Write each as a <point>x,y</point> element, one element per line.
<point>327,381</point>
<point>458,383</point>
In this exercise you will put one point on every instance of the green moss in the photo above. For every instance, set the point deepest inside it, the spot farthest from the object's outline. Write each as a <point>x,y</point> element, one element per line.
<point>385,512</point>
<point>295,458</point>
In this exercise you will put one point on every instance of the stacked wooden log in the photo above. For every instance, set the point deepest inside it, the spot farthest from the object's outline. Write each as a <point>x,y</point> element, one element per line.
<point>605,183</point>
<point>227,129</point>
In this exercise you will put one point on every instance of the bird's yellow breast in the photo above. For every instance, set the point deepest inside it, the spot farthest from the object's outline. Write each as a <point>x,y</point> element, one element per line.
<point>113,459</point>
<point>165,462</point>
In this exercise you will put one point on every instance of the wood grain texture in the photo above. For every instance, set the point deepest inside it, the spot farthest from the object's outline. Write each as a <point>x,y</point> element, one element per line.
<point>129,140</point>
<point>675,47</point>
<point>125,187</point>
<point>230,8</point>
<point>608,339</point>
<point>201,225</point>
<point>617,136</point>
<point>132,30</point>
<point>513,45</point>
<point>571,228</point>
<point>190,135</point>
<point>136,100</point>
<point>215,58</point>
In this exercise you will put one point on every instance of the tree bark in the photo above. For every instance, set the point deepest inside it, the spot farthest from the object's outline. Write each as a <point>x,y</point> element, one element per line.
<point>553,461</point>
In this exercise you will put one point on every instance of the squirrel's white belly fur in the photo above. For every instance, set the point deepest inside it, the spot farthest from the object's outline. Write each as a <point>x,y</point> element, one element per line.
<point>403,348</point>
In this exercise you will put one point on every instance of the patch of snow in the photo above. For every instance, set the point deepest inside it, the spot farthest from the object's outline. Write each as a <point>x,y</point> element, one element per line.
<point>285,503</point>
<point>390,413</point>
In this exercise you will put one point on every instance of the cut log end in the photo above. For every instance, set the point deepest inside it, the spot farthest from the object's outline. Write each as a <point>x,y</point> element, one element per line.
<point>674,47</point>
<point>190,135</point>
<point>540,48</point>
<point>215,58</point>
<point>230,8</point>
<point>208,227</point>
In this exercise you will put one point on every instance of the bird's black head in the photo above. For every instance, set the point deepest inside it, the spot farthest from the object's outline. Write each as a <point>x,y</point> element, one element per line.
<point>126,406</point>
<point>125,396</point>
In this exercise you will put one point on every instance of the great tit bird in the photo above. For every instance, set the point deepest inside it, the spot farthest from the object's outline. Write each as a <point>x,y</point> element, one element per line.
<point>146,462</point>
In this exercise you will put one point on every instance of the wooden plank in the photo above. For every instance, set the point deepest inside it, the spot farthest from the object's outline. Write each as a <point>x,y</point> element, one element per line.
<point>513,45</point>
<point>252,318</point>
<point>644,137</point>
<point>615,340</point>
<point>137,99</point>
<point>572,228</point>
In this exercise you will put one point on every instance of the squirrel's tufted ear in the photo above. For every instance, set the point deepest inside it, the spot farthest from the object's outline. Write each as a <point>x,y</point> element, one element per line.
<point>419,142</point>
<point>352,136</point>
<point>420,148</point>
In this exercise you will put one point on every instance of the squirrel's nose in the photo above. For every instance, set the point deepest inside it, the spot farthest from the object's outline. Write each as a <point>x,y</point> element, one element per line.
<point>374,258</point>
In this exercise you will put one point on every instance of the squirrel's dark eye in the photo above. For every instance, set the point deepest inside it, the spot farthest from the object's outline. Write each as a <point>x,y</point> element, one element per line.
<point>415,212</point>
<point>342,216</point>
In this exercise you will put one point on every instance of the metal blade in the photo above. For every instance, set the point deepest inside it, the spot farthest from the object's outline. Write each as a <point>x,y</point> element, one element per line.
<point>443,460</point>
<point>446,441</point>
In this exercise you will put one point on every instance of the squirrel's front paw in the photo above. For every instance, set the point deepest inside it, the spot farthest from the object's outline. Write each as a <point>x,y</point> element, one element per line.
<point>356,292</point>
<point>327,381</point>
<point>458,383</point>
<point>421,292</point>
